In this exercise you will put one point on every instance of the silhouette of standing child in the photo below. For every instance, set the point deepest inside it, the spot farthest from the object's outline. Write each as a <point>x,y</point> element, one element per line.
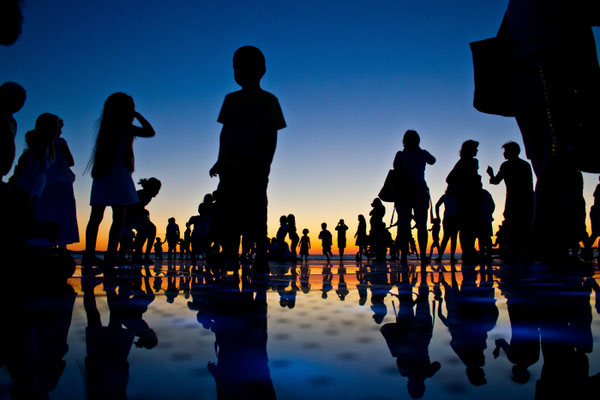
<point>112,164</point>
<point>304,245</point>
<point>158,250</point>
<point>326,241</point>
<point>251,118</point>
<point>435,237</point>
<point>293,234</point>
<point>173,236</point>
<point>341,228</point>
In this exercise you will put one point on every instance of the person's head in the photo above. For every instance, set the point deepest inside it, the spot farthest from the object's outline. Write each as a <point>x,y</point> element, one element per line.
<point>469,149</point>
<point>150,185</point>
<point>12,97</point>
<point>341,222</point>
<point>520,374</point>
<point>187,224</point>
<point>146,338</point>
<point>323,226</point>
<point>208,198</point>
<point>157,240</point>
<point>411,139</point>
<point>248,66</point>
<point>171,220</point>
<point>305,231</point>
<point>11,19</point>
<point>46,129</point>
<point>119,110</point>
<point>511,150</point>
<point>376,203</point>
<point>291,219</point>
<point>283,220</point>
<point>361,218</point>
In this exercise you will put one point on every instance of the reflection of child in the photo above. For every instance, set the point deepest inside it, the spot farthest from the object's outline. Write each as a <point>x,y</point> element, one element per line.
<point>435,236</point>
<point>326,241</point>
<point>304,245</point>
<point>158,249</point>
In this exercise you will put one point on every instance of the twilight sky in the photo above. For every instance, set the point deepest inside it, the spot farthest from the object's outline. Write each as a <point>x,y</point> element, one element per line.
<point>351,77</point>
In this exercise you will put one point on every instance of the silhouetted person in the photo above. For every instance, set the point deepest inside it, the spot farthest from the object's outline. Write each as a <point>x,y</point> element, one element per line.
<point>518,209</point>
<point>11,19</point>
<point>31,171</point>
<point>342,290</point>
<point>283,229</point>
<point>251,118</point>
<point>112,164</point>
<point>293,234</point>
<point>556,78</point>
<point>362,240</point>
<point>595,222</point>
<point>172,237</point>
<point>465,181</point>
<point>326,241</point>
<point>158,250</point>
<point>450,222</point>
<point>57,203</point>
<point>304,245</point>
<point>138,218</point>
<point>377,234</point>
<point>184,248</point>
<point>484,227</point>
<point>12,99</point>
<point>341,229</point>
<point>435,237</point>
<point>201,234</point>
<point>414,202</point>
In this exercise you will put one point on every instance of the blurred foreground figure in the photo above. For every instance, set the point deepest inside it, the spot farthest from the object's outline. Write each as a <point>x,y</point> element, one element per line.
<point>554,88</point>
<point>11,19</point>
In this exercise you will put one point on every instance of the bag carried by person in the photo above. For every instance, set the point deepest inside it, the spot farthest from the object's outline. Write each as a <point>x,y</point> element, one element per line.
<point>493,73</point>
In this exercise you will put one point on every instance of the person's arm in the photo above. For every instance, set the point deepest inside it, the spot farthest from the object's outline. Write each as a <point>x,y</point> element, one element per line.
<point>495,179</point>
<point>64,148</point>
<point>146,130</point>
<point>438,205</point>
<point>429,158</point>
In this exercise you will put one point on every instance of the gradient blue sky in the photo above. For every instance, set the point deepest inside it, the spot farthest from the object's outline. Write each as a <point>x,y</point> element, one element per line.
<point>351,77</point>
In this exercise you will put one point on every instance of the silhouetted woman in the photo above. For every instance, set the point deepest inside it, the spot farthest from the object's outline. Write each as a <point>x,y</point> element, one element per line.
<point>112,165</point>
<point>465,181</point>
<point>361,237</point>
<point>377,234</point>
<point>293,234</point>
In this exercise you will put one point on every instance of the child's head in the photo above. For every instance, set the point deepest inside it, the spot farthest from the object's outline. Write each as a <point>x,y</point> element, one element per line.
<point>305,231</point>
<point>157,240</point>
<point>283,220</point>
<point>291,219</point>
<point>119,110</point>
<point>248,66</point>
<point>150,185</point>
<point>511,150</point>
<point>171,220</point>
<point>411,139</point>
<point>47,127</point>
<point>188,224</point>
<point>361,218</point>
<point>12,97</point>
<point>323,226</point>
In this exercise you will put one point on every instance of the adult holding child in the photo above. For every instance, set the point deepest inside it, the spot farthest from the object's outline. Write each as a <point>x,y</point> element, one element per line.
<point>414,202</point>
<point>112,164</point>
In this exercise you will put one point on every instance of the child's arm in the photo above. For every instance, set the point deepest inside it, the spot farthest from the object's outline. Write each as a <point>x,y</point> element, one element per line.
<point>438,205</point>
<point>146,130</point>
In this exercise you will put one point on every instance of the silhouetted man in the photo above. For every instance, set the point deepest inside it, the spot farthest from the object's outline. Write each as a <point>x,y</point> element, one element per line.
<point>518,209</point>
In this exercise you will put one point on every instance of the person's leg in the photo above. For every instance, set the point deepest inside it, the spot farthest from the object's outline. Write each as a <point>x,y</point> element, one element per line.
<point>403,235</point>
<point>420,207</point>
<point>115,229</point>
<point>91,231</point>
<point>151,237</point>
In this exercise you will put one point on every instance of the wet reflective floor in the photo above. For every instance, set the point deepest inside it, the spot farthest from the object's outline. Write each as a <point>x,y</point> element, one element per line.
<point>351,331</point>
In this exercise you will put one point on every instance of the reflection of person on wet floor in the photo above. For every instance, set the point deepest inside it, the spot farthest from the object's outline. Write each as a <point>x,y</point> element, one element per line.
<point>342,290</point>
<point>409,337</point>
<point>518,209</point>
<point>555,66</point>
<point>415,200</point>
<point>251,118</point>
<point>327,279</point>
<point>465,181</point>
<point>341,229</point>
<point>326,241</point>
<point>524,347</point>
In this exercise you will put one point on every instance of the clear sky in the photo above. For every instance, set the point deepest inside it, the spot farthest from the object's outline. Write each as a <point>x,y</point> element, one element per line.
<point>351,77</point>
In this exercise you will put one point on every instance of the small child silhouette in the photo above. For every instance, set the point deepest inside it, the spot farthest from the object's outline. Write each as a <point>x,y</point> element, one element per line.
<point>435,236</point>
<point>304,245</point>
<point>158,249</point>
<point>326,241</point>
